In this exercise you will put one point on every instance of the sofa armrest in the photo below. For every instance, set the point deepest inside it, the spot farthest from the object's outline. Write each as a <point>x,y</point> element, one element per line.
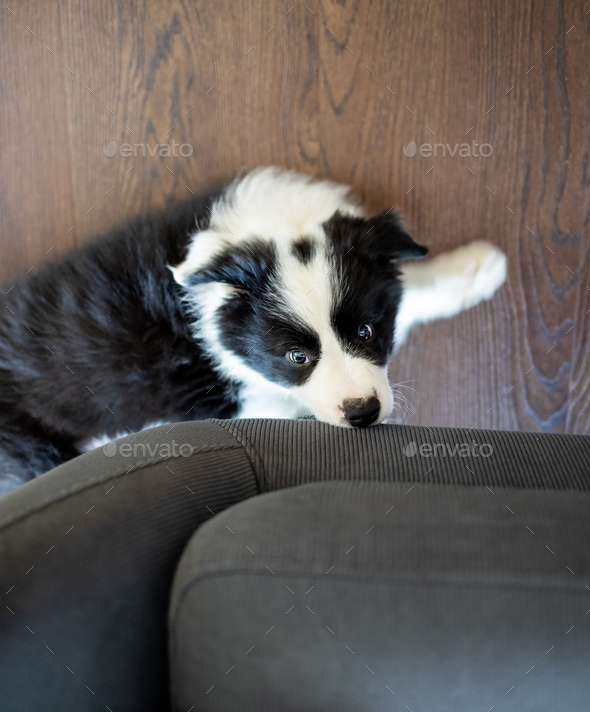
<point>87,556</point>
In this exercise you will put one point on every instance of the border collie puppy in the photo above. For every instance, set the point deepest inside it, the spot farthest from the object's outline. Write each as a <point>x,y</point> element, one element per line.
<point>275,297</point>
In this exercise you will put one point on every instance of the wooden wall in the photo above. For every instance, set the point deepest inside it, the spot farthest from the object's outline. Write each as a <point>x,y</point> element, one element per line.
<point>333,88</point>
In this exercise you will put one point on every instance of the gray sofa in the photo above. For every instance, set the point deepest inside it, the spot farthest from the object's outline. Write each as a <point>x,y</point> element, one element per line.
<point>290,565</point>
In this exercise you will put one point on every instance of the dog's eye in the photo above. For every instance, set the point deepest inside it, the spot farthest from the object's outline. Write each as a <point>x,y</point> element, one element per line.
<point>366,333</point>
<point>299,358</point>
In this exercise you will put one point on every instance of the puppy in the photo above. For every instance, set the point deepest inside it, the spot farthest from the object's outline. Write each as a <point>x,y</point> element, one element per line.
<point>275,297</point>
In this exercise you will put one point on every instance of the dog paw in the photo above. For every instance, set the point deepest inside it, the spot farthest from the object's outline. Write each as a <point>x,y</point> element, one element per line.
<point>475,272</point>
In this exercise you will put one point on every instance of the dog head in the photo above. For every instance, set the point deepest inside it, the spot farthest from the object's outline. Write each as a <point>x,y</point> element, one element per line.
<point>312,311</point>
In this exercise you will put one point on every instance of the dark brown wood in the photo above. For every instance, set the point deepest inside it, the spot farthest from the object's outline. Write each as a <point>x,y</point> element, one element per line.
<point>337,89</point>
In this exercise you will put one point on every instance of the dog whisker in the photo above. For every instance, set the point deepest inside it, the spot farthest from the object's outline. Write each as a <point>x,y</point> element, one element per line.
<point>401,403</point>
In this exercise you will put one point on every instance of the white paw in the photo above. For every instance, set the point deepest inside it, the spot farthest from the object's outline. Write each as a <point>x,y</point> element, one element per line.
<point>470,274</point>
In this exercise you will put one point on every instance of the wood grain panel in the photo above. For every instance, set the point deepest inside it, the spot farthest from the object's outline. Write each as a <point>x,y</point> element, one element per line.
<point>231,80</point>
<point>334,88</point>
<point>36,196</point>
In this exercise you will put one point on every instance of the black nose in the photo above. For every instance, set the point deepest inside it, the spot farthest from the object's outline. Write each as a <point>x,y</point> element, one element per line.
<point>360,412</point>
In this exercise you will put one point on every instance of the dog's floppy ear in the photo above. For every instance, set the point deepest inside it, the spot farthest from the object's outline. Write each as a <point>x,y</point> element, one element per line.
<point>245,267</point>
<point>390,240</point>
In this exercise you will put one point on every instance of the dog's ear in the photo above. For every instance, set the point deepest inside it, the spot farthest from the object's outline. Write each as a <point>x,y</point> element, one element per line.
<point>246,267</point>
<point>389,239</point>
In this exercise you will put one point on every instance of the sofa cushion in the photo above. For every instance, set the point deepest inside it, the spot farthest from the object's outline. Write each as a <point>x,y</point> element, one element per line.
<point>362,595</point>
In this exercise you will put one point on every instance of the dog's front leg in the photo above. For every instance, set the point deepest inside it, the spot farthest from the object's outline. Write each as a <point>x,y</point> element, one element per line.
<point>448,284</point>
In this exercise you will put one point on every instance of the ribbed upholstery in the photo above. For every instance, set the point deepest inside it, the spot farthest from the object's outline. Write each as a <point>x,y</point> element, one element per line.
<point>288,453</point>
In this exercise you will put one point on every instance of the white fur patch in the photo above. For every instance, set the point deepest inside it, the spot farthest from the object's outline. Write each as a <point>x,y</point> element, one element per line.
<point>449,284</point>
<point>102,440</point>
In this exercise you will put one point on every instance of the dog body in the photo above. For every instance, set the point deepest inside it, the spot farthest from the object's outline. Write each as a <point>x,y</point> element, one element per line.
<point>274,297</point>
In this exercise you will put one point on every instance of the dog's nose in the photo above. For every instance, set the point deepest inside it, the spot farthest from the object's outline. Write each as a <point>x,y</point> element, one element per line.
<point>360,412</point>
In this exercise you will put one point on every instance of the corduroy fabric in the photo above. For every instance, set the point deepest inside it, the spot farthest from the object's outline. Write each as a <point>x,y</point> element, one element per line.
<point>288,453</point>
<point>87,556</point>
<point>341,596</point>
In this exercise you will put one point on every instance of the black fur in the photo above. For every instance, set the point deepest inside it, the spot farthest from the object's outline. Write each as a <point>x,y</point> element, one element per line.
<point>362,251</point>
<point>304,249</point>
<point>99,343</point>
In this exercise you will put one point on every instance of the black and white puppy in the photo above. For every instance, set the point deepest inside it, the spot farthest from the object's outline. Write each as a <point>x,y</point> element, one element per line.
<point>275,297</point>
